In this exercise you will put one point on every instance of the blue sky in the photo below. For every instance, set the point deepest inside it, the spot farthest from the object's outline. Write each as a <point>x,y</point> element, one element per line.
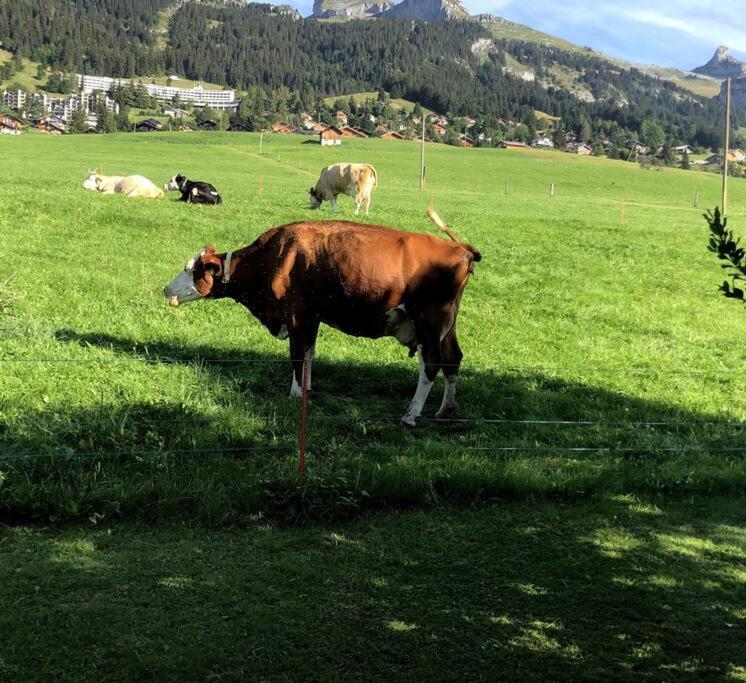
<point>681,33</point>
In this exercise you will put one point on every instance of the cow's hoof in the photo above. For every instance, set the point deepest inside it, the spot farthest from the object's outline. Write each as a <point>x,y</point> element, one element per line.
<point>451,410</point>
<point>409,421</point>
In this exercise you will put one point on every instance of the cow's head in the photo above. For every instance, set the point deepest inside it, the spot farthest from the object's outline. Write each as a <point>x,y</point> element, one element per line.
<point>91,181</point>
<point>316,198</point>
<point>175,183</point>
<point>197,280</point>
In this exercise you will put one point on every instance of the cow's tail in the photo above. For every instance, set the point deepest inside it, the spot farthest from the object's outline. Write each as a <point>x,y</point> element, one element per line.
<point>375,175</point>
<point>435,218</point>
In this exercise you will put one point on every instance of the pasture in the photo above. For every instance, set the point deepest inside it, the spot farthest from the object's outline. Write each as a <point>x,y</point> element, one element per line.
<point>602,401</point>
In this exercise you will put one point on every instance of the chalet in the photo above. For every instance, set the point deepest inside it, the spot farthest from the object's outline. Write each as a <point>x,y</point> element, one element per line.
<point>392,135</point>
<point>185,128</point>
<point>330,136</point>
<point>282,127</point>
<point>579,148</point>
<point>464,141</point>
<point>439,128</point>
<point>544,141</point>
<point>207,124</point>
<point>341,118</point>
<point>148,126</point>
<point>684,149</point>
<point>350,132</point>
<point>470,121</point>
<point>318,127</point>
<point>50,124</point>
<point>11,120</point>
<point>9,128</point>
<point>511,144</point>
<point>175,113</point>
<point>238,127</point>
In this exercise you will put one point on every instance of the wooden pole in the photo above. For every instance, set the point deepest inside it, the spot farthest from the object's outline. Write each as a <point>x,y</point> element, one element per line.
<point>261,141</point>
<point>696,200</point>
<point>551,190</point>
<point>726,148</point>
<point>622,213</point>
<point>506,187</point>
<point>422,156</point>
<point>303,419</point>
<point>260,185</point>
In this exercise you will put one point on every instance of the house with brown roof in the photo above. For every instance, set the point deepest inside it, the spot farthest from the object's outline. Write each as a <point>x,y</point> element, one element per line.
<point>342,119</point>
<point>50,124</point>
<point>282,127</point>
<point>350,132</point>
<point>330,136</point>
<point>512,144</point>
<point>392,135</point>
<point>464,141</point>
<point>439,128</point>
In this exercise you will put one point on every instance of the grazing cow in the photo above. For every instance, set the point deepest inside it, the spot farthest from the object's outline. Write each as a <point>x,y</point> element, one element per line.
<point>365,280</point>
<point>130,186</point>
<point>193,191</point>
<point>354,180</point>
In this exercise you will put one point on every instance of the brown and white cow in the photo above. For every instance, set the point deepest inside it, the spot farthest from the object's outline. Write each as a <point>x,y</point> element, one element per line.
<point>354,180</point>
<point>365,280</point>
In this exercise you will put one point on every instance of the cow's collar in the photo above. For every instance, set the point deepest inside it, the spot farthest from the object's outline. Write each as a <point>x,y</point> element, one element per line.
<point>227,268</point>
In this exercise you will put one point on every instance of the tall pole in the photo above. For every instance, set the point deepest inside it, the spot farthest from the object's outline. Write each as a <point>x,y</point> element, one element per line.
<point>422,155</point>
<point>726,149</point>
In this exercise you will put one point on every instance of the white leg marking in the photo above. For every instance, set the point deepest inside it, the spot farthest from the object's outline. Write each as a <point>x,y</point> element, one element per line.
<point>420,396</point>
<point>334,205</point>
<point>295,389</point>
<point>357,208</point>
<point>449,405</point>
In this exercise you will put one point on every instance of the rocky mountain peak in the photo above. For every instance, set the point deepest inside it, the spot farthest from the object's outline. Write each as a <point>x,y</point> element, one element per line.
<point>722,65</point>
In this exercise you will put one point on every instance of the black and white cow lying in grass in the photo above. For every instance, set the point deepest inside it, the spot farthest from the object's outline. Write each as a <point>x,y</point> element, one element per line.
<point>194,192</point>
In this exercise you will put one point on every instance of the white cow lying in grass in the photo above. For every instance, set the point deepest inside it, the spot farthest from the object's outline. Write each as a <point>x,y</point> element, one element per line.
<point>130,186</point>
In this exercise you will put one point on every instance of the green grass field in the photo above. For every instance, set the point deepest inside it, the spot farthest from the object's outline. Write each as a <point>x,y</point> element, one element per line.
<point>571,317</point>
<point>584,520</point>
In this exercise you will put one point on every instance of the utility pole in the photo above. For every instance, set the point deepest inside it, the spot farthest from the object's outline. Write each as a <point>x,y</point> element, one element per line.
<point>422,155</point>
<point>726,149</point>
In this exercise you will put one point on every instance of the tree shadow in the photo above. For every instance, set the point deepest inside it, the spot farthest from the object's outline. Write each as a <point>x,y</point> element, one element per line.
<point>606,589</point>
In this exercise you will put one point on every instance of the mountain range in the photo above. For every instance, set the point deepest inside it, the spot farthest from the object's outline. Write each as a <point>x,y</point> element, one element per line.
<point>429,51</point>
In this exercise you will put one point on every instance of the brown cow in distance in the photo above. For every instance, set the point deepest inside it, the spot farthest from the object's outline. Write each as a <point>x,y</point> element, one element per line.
<point>365,280</point>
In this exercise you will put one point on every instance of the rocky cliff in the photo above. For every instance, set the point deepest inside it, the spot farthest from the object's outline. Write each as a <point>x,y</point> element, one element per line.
<point>722,65</point>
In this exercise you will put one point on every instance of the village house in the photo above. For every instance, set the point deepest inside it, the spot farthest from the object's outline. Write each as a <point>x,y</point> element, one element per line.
<point>330,136</point>
<point>738,155</point>
<point>50,124</point>
<point>341,118</point>
<point>439,129</point>
<point>148,126</point>
<point>684,149</point>
<point>175,113</point>
<point>579,148</point>
<point>392,135</point>
<point>238,127</point>
<point>464,141</point>
<point>512,144</point>
<point>282,127</point>
<point>207,124</point>
<point>545,142</point>
<point>350,132</point>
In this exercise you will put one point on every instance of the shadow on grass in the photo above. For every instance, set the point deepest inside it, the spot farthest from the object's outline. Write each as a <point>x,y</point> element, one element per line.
<point>601,590</point>
<point>238,457</point>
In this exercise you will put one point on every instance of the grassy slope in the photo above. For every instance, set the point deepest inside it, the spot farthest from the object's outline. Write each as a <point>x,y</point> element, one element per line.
<point>571,316</point>
<point>361,97</point>
<point>617,590</point>
<point>26,77</point>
